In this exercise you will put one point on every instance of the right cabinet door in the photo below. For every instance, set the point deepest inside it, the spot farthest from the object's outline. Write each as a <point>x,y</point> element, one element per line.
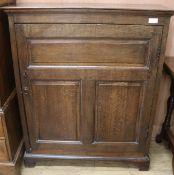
<point>118,111</point>
<point>122,110</point>
<point>88,88</point>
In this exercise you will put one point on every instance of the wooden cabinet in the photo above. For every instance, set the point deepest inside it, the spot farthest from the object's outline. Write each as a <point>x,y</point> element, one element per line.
<point>87,80</point>
<point>10,127</point>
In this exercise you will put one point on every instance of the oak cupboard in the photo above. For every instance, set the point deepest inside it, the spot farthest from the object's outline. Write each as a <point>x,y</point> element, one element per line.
<point>87,79</point>
<point>11,143</point>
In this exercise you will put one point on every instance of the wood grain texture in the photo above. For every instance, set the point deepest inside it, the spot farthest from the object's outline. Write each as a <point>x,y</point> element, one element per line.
<point>87,30</point>
<point>13,168</point>
<point>97,5</point>
<point>17,80</point>
<point>3,151</point>
<point>141,2</point>
<point>76,16</point>
<point>1,129</point>
<point>151,3</point>
<point>123,99</point>
<point>88,51</point>
<point>60,100</point>
<point>118,109</point>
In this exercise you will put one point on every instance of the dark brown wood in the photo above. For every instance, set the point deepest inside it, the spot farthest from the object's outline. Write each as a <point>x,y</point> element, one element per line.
<point>139,8</point>
<point>99,50</point>
<point>13,168</point>
<point>117,111</point>
<point>11,144</point>
<point>87,82</point>
<point>75,16</point>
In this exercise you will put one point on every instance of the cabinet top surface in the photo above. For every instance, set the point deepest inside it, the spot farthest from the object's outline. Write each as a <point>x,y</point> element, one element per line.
<point>105,6</point>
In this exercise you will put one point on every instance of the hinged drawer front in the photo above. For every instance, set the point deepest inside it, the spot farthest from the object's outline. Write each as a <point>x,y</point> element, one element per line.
<point>89,43</point>
<point>88,88</point>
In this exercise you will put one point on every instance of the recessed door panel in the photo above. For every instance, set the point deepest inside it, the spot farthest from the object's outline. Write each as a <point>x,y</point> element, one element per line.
<point>89,50</point>
<point>89,44</point>
<point>118,107</point>
<point>56,110</point>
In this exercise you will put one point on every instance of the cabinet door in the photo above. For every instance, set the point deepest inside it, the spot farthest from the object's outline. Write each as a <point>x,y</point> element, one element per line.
<point>88,88</point>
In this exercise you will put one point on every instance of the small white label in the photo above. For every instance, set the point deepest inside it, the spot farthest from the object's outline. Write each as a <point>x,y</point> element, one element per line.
<point>153,20</point>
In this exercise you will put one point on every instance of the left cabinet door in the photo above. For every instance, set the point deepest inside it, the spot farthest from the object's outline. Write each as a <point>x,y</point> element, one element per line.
<point>53,111</point>
<point>53,96</point>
